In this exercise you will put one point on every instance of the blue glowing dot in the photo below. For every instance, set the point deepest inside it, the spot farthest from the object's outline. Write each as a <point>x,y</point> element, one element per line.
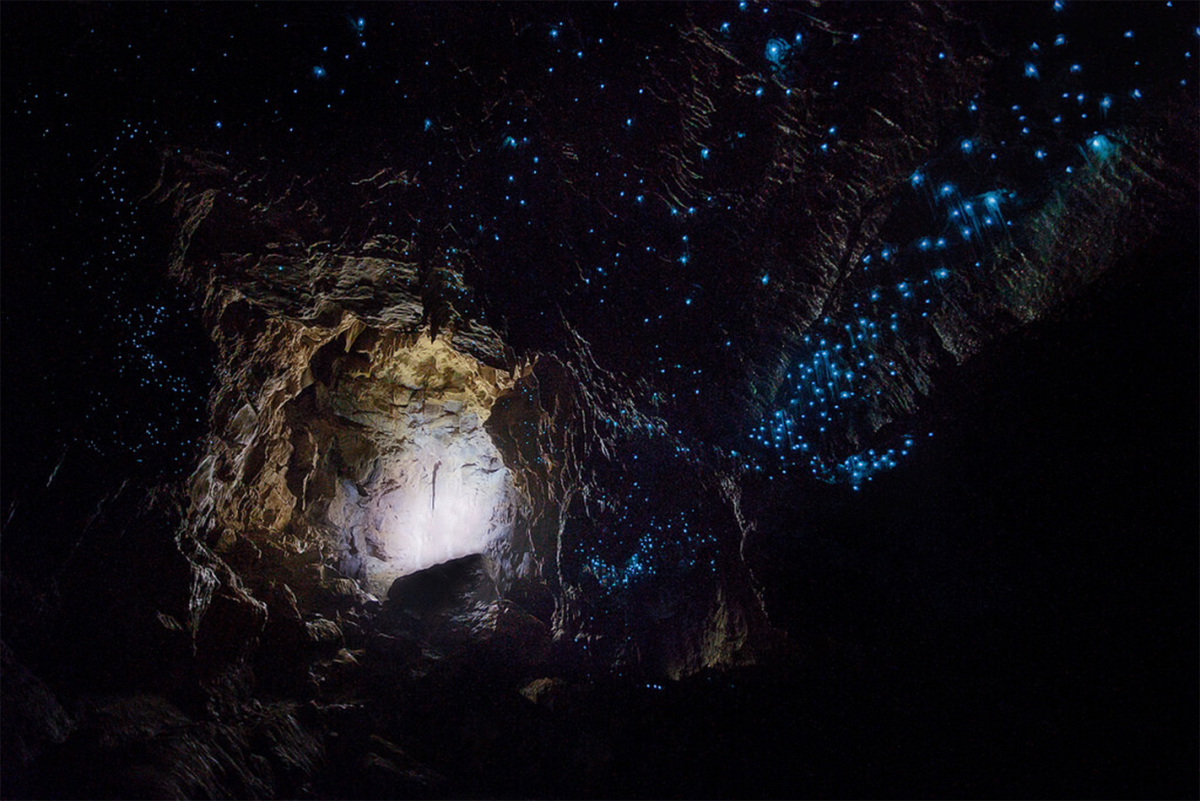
<point>704,153</point>
<point>1075,68</point>
<point>765,279</point>
<point>941,273</point>
<point>1136,94</point>
<point>1040,154</point>
<point>758,92</point>
<point>428,124</point>
<point>318,71</point>
<point>687,302</point>
<point>776,51</point>
<point>967,145</point>
<point>218,123</point>
<point>629,122</point>
<point>1128,34</point>
<point>1030,70</point>
<point>917,179</point>
<point>1058,5</point>
<point>554,33</point>
<point>1060,40</point>
<point>947,189</point>
<point>1101,145</point>
<point>1106,102</point>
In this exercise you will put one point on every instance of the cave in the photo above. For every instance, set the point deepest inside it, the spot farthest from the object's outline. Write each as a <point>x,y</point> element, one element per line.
<point>743,400</point>
<point>416,478</point>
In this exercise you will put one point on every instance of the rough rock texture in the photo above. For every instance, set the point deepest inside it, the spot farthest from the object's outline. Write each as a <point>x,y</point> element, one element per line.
<point>149,748</point>
<point>345,414</point>
<point>356,387</point>
<point>461,527</point>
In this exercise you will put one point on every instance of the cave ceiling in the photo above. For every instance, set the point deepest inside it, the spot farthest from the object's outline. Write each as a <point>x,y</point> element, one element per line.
<point>586,312</point>
<point>733,245</point>
<point>753,238</point>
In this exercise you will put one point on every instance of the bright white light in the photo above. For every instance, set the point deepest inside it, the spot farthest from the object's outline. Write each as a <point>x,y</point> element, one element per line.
<point>444,494</point>
<point>442,510</point>
<point>421,481</point>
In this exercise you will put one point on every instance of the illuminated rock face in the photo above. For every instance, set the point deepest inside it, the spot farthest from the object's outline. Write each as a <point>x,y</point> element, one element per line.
<point>431,503</point>
<point>351,431</point>
<point>421,481</point>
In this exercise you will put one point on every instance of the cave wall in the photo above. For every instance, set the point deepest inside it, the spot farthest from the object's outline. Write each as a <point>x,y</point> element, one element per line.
<point>340,410</point>
<point>419,480</point>
<point>845,274</point>
<point>342,446</point>
<point>349,372</point>
<point>353,393</point>
<point>622,351</point>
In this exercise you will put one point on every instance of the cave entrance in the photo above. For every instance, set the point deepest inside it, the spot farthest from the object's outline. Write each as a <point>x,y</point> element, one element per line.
<point>419,480</point>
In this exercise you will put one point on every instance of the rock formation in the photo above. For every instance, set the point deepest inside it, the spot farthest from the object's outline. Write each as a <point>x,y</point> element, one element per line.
<point>470,499</point>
